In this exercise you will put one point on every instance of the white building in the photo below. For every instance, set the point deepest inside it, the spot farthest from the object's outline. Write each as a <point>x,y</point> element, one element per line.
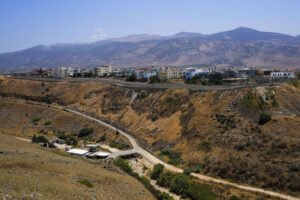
<point>173,73</point>
<point>103,70</point>
<point>283,74</point>
<point>80,152</point>
<point>59,72</point>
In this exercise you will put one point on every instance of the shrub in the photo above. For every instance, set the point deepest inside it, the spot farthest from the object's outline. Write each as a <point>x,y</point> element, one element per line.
<point>295,83</point>
<point>264,118</point>
<point>154,79</point>
<point>157,170</point>
<point>131,78</point>
<point>234,198</point>
<point>123,165</point>
<point>86,183</point>
<point>165,179</point>
<point>85,132</point>
<point>47,89</point>
<point>40,139</point>
<point>204,146</point>
<point>174,156</point>
<point>36,119</point>
<point>200,191</point>
<point>47,123</point>
<point>253,101</point>
<point>187,171</point>
<point>145,180</point>
<point>180,185</point>
<point>165,196</point>
<point>43,84</point>
<point>102,138</point>
<point>34,139</point>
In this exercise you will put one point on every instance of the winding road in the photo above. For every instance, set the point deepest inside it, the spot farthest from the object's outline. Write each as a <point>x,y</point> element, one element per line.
<point>154,160</point>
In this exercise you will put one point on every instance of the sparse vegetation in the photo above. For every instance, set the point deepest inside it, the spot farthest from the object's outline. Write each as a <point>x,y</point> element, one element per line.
<point>85,132</point>
<point>204,146</point>
<point>47,123</point>
<point>295,83</point>
<point>146,182</point>
<point>174,156</point>
<point>118,145</point>
<point>253,101</point>
<point>36,119</point>
<point>264,118</point>
<point>85,182</point>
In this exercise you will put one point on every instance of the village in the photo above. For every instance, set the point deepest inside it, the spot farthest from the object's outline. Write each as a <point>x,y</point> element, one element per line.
<point>187,75</point>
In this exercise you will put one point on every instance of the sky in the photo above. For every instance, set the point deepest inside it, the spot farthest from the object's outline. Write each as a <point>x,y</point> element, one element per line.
<point>27,23</point>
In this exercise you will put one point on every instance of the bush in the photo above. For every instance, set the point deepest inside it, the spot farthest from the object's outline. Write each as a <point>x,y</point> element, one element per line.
<point>204,146</point>
<point>86,183</point>
<point>43,84</point>
<point>154,79</point>
<point>131,78</point>
<point>40,139</point>
<point>70,140</point>
<point>102,138</point>
<point>253,101</point>
<point>234,198</point>
<point>187,171</point>
<point>123,165</point>
<point>85,132</point>
<point>180,185</point>
<point>264,118</point>
<point>165,179</point>
<point>157,170</point>
<point>174,156</point>
<point>34,139</point>
<point>165,196</point>
<point>200,191</point>
<point>145,180</point>
<point>36,119</point>
<point>47,123</point>
<point>295,83</point>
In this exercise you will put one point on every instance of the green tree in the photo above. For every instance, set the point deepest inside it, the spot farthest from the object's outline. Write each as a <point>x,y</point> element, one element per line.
<point>165,179</point>
<point>34,139</point>
<point>180,185</point>
<point>131,78</point>
<point>157,170</point>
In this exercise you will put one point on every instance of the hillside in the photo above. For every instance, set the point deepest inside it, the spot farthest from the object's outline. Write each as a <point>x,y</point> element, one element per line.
<point>31,172</point>
<point>214,132</point>
<point>238,47</point>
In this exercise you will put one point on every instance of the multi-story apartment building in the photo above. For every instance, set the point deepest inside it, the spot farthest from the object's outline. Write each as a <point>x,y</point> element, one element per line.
<point>102,70</point>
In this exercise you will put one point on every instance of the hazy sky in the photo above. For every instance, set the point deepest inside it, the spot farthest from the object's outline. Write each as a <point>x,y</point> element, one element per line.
<point>26,23</point>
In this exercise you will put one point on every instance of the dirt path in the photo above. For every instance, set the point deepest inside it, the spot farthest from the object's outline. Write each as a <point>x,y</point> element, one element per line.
<point>153,159</point>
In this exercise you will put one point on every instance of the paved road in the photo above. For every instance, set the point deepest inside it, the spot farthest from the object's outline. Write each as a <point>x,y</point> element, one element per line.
<point>154,160</point>
<point>139,85</point>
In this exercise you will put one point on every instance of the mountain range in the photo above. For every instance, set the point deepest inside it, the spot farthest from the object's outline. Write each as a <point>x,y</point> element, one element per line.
<point>238,47</point>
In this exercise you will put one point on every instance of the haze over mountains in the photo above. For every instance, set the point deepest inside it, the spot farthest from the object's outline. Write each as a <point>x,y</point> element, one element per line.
<point>238,47</point>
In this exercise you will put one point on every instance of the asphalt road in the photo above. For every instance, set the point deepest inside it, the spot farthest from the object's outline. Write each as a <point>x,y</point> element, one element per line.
<point>154,160</point>
<point>140,85</point>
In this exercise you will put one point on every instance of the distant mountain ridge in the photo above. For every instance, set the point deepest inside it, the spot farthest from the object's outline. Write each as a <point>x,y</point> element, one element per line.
<point>238,47</point>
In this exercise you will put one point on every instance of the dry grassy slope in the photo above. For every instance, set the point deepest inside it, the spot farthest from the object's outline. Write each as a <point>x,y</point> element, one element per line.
<point>27,170</point>
<point>265,156</point>
<point>16,119</point>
